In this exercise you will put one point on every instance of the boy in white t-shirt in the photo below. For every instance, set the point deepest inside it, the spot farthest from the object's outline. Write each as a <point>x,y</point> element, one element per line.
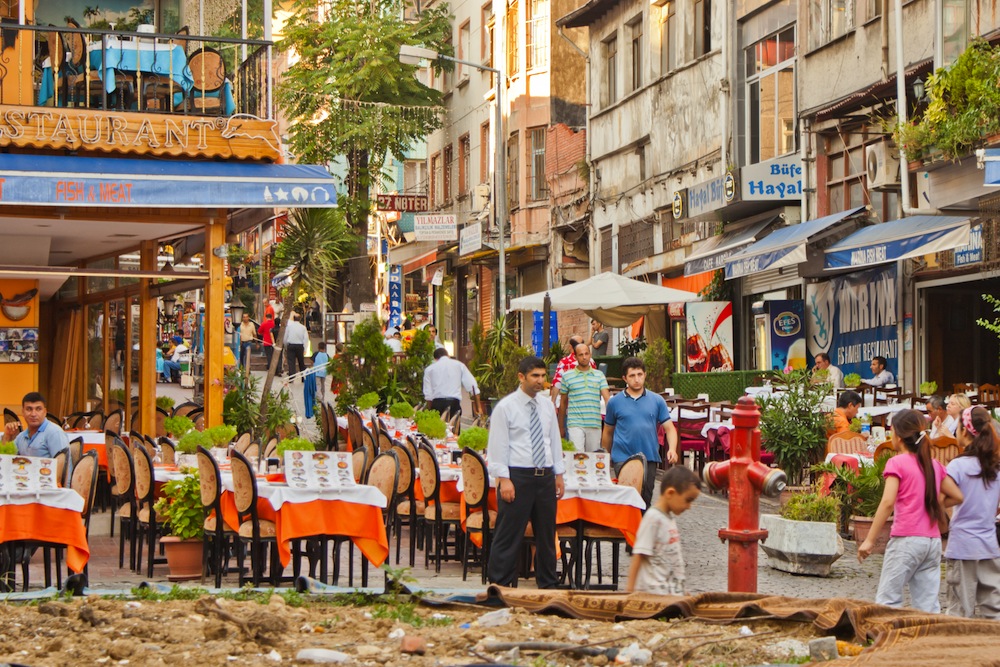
<point>657,565</point>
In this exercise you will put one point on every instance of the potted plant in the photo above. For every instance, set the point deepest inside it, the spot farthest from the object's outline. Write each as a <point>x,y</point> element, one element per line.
<point>860,492</point>
<point>495,357</point>
<point>402,412</point>
<point>181,506</point>
<point>928,388</point>
<point>187,447</point>
<point>793,424</point>
<point>178,427</point>
<point>429,423</point>
<point>852,380</point>
<point>803,539</point>
<point>221,435</point>
<point>8,448</point>
<point>367,403</point>
<point>165,402</point>
<point>475,438</point>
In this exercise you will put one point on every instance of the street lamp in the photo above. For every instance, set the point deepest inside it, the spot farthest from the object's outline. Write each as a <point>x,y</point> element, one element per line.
<point>412,55</point>
<point>169,302</point>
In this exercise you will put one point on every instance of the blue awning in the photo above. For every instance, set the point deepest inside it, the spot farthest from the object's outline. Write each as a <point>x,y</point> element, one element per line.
<point>715,251</point>
<point>991,161</point>
<point>45,180</point>
<point>783,247</point>
<point>898,239</point>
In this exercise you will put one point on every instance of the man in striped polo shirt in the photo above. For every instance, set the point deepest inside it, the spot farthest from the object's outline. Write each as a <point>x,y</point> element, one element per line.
<point>580,408</point>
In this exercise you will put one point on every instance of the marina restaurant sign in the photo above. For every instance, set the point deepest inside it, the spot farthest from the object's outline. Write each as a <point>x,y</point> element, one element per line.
<point>238,136</point>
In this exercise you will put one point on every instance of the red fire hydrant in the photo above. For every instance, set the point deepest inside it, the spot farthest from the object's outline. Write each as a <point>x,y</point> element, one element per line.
<point>747,478</point>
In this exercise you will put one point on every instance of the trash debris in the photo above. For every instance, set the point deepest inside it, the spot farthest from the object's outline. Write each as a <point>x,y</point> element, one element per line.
<point>745,631</point>
<point>398,633</point>
<point>634,655</point>
<point>322,655</point>
<point>494,618</point>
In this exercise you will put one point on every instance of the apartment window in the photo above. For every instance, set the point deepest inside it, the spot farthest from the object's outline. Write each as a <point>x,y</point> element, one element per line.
<point>449,170</point>
<point>828,20</point>
<point>846,180</point>
<point>954,30</point>
<point>873,9</point>
<point>635,53</point>
<point>512,24</point>
<point>610,88</point>
<point>486,37</point>
<point>640,154</point>
<point>464,148</point>
<point>702,27</point>
<point>464,49</point>
<point>770,95</point>
<point>484,151</point>
<point>538,188</point>
<point>415,177</point>
<point>513,173</point>
<point>537,39</point>
<point>437,194</point>
<point>668,38</point>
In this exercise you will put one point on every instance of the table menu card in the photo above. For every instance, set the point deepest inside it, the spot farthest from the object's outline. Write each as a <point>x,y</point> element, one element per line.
<point>319,470</point>
<point>26,474</point>
<point>588,469</point>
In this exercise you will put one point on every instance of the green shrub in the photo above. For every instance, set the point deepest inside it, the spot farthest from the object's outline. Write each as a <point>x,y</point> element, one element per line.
<point>568,446</point>
<point>295,445</point>
<point>408,375</point>
<point>181,506</point>
<point>659,360</point>
<point>793,424</point>
<point>852,380</point>
<point>812,507</point>
<point>165,402</point>
<point>495,357</point>
<point>364,365</point>
<point>401,410</point>
<point>241,406</point>
<point>221,435</point>
<point>368,401</point>
<point>475,438</point>
<point>429,423</point>
<point>928,388</point>
<point>178,427</point>
<point>190,441</point>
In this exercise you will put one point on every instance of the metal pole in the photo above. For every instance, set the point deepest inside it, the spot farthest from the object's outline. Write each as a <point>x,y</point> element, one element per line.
<point>500,169</point>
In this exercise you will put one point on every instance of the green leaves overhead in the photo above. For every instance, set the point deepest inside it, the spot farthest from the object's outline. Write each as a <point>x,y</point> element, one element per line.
<point>316,242</point>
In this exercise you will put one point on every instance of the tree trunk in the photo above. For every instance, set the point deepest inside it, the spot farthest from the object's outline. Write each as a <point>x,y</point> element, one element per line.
<point>361,288</point>
<point>278,350</point>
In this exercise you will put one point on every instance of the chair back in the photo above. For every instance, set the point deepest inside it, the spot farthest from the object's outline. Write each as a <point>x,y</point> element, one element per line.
<point>475,479</point>
<point>208,69</point>
<point>407,476</point>
<point>72,421</point>
<point>244,485</point>
<point>76,450</point>
<point>161,429</point>
<point>55,420</point>
<point>286,430</point>
<point>242,442</point>
<point>355,428</point>
<point>271,449</point>
<point>847,442</point>
<point>149,444</point>
<point>168,453</point>
<point>75,47</point>
<point>359,462</point>
<point>632,472</point>
<point>62,458</point>
<point>944,448</point>
<point>430,473</point>
<point>95,420</point>
<point>384,476</point>
<point>330,428</point>
<point>143,476</point>
<point>384,441</point>
<point>456,423</point>
<point>198,417</point>
<point>989,395</point>
<point>968,388</point>
<point>10,417</point>
<point>124,476</point>
<point>84,482</point>
<point>114,420</point>
<point>885,449</point>
<point>369,439</point>
<point>208,477</point>
<point>186,408</point>
<point>906,399</point>
<point>252,452</point>
<point>181,38</point>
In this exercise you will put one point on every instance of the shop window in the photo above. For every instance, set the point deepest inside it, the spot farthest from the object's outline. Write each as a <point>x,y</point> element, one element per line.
<point>464,50</point>
<point>770,97</point>
<point>415,176</point>
<point>635,53</point>
<point>954,37</point>
<point>537,38</point>
<point>668,38</point>
<point>437,193</point>
<point>846,180</point>
<point>538,188</point>
<point>464,148</point>
<point>609,89</point>
<point>702,27</point>
<point>828,20</point>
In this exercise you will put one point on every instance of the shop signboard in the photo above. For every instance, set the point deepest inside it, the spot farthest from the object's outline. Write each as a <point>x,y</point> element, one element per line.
<point>395,295</point>
<point>402,203</point>
<point>471,238</point>
<point>710,195</point>
<point>775,180</point>
<point>435,227</point>
<point>972,253</point>
<point>853,318</point>
<point>709,336</point>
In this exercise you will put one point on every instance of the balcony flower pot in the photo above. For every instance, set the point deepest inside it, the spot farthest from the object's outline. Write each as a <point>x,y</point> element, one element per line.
<point>184,557</point>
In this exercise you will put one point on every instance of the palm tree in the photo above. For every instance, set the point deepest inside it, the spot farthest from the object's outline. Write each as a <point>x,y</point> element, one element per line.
<point>317,242</point>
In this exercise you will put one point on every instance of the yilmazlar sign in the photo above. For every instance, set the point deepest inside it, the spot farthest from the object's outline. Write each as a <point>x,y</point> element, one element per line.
<point>238,136</point>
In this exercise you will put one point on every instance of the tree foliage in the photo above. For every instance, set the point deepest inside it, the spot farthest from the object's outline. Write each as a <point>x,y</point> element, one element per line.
<point>364,366</point>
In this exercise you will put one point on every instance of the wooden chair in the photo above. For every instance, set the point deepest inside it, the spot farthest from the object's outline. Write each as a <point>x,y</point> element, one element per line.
<point>906,399</point>
<point>218,536</point>
<point>123,496</point>
<point>385,442</point>
<point>114,420</point>
<point>254,532</point>
<point>886,448</point>
<point>355,428</point>
<point>95,420</point>
<point>968,388</point>
<point>631,474</point>
<point>989,396</point>
<point>252,451</point>
<point>242,442</point>
<point>186,408</point>
<point>75,451</point>
<point>944,448</point>
<point>409,511</point>
<point>159,93</point>
<point>161,429</point>
<point>479,518</point>
<point>847,442</point>
<point>332,430</point>
<point>73,420</point>
<point>64,469</point>
<point>456,423</point>
<point>10,417</point>
<point>148,521</point>
<point>168,453</point>
<point>208,69</point>
<point>54,419</point>
<point>359,462</point>
<point>439,517</point>
<point>384,476</point>
<point>271,449</point>
<point>198,417</point>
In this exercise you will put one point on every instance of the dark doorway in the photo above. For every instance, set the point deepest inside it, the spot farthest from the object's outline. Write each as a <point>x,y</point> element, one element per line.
<point>959,350</point>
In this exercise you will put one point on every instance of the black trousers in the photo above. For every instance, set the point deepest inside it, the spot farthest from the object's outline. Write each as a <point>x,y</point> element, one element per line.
<point>648,480</point>
<point>295,353</point>
<point>452,405</point>
<point>534,500</point>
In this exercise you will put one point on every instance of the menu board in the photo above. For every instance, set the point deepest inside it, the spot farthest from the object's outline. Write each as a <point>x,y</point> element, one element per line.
<point>319,470</point>
<point>26,474</point>
<point>588,469</point>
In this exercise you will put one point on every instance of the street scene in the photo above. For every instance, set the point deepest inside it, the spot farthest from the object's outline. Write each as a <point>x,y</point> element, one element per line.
<point>531,332</point>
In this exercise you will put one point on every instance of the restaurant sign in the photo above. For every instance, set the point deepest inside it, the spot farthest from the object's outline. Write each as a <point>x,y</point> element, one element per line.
<point>853,318</point>
<point>775,180</point>
<point>238,136</point>
<point>471,238</point>
<point>710,195</point>
<point>973,252</point>
<point>435,227</point>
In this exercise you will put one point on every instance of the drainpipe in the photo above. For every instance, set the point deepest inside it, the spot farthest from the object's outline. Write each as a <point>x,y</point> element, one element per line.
<point>724,91</point>
<point>885,38</point>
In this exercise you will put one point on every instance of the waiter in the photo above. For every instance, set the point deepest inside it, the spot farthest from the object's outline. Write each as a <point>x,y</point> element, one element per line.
<point>525,457</point>
<point>443,383</point>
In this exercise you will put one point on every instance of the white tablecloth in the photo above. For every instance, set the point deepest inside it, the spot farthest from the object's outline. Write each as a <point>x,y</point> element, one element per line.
<point>612,494</point>
<point>89,437</point>
<point>279,494</point>
<point>862,458</point>
<point>63,499</point>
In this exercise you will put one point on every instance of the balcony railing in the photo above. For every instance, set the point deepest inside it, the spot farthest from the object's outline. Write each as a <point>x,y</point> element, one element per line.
<point>176,74</point>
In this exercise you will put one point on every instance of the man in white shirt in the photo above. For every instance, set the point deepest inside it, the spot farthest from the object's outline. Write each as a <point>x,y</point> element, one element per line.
<point>394,341</point>
<point>443,383</point>
<point>525,457</point>
<point>296,337</point>
<point>882,376</point>
<point>833,374</point>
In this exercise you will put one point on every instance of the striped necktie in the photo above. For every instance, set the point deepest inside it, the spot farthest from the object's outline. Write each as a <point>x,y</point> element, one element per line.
<point>537,439</point>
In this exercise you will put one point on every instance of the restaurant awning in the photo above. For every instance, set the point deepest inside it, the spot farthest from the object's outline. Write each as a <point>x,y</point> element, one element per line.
<point>46,180</point>
<point>898,239</point>
<point>714,253</point>
<point>990,159</point>
<point>783,247</point>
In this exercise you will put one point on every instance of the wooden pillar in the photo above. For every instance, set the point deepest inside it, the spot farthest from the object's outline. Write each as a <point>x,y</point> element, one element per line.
<point>132,414</point>
<point>108,350</point>
<point>148,251</point>
<point>215,237</point>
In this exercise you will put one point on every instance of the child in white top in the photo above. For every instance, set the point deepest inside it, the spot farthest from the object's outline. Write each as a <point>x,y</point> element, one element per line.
<point>657,565</point>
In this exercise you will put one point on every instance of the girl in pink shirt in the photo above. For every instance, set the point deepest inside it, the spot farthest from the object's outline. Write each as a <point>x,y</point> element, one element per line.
<point>918,490</point>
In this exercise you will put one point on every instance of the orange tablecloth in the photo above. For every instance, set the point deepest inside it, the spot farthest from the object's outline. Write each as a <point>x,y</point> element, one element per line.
<point>363,524</point>
<point>39,523</point>
<point>449,493</point>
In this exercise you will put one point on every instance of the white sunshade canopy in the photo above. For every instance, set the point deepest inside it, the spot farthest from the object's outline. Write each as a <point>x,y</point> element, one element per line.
<point>609,298</point>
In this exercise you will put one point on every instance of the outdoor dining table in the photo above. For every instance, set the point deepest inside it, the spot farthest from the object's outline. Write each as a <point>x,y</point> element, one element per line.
<point>50,516</point>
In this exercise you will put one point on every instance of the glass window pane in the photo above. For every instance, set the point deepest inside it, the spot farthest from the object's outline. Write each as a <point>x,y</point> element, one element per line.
<point>837,166</point>
<point>856,193</point>
<point>786,110</point>
<point>836,198</point>
<point>856,162</point>
<point>767,112</point>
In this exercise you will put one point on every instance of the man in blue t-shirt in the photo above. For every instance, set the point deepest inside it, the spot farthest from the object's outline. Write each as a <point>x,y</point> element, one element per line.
<point>630,425</point>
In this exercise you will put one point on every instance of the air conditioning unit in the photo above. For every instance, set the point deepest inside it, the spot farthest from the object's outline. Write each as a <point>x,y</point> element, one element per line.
<point>481,196</point>
<point>882,163</point>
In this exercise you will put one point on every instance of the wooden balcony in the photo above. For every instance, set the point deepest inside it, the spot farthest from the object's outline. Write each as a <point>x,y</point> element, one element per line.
<point>136,93</point>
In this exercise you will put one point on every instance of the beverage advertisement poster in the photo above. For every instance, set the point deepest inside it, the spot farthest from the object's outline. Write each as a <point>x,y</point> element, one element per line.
<point>788,339</point>
<point>709,336</point>
<point>853,318</point>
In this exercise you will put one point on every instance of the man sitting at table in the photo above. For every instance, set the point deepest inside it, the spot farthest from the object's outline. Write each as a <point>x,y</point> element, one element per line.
<point>43,438</point>
<point>882,376</point>
<point>847,409</point>
<point>525,457</point>
<point>834,375</point>
<point>630,425</point>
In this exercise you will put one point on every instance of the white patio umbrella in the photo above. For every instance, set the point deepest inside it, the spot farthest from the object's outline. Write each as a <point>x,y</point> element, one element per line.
<point>609,298</point>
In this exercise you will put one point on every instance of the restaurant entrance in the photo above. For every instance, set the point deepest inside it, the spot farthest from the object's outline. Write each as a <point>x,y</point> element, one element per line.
<point>954,348</point>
